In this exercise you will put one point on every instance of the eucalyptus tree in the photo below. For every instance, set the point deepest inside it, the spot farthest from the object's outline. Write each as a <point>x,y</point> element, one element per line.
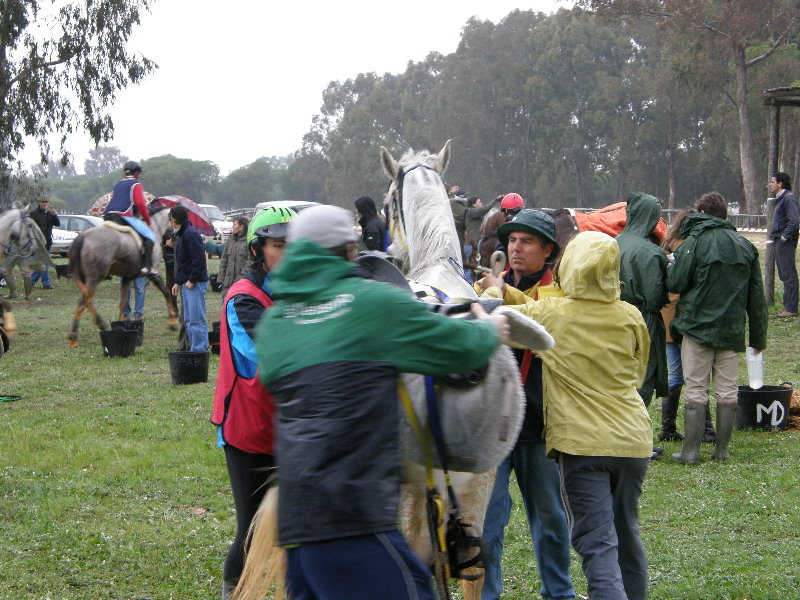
<point>61,66</point>
<point>726,31</point>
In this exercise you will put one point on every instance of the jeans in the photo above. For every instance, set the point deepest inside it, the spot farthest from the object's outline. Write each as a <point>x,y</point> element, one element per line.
<point>674,364</point>
<point>363,567</point>
<point>539,482</point>
<point>139,284</point>
<point>194,315</point>
<point>602,495</point>
<point>44,276</point>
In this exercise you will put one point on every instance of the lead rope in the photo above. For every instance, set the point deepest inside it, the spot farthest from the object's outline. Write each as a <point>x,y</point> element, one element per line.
<point>434,507</point>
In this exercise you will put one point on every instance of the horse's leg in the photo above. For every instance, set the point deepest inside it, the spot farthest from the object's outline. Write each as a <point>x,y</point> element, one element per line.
<point>88,289</point>
<point>124,289</point>
<point>413,519</point>
<point>473,497</point>
<point>76,322</point>
<point>172,321</point>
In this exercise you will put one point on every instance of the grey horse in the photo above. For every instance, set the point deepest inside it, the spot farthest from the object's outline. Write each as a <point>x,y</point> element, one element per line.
<point>101,252</point>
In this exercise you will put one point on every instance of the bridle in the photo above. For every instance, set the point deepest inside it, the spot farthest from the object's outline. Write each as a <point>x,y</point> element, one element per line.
<point>398,214</point>
<point>23,250</point>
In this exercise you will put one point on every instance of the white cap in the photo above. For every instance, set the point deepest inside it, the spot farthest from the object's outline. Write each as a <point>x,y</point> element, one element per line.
<point>328,226</point>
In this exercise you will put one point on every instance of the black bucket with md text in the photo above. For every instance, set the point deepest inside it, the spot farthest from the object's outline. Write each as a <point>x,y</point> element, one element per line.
<point>765,408</point>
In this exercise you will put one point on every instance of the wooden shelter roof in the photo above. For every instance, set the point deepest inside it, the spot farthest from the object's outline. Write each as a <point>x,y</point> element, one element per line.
<point>782,96</point>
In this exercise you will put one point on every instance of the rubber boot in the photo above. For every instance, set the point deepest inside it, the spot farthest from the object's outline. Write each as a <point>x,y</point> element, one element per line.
<point>147,258</point>
<point>669,411</point>
<point>693,419</point>
<point>28,284</point>
<point>726,417</point>
<point>709,435</point>
<point>227,588</point>
<point>11,285</point>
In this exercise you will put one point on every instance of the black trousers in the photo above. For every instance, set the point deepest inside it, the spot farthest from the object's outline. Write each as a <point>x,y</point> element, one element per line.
<point>250,476</point>
<point>787,271</point>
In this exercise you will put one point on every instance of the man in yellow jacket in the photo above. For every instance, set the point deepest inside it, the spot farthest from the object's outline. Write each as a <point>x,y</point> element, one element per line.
<point>595,421</point>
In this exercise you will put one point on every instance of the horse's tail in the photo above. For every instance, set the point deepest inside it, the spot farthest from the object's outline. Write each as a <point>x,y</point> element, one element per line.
<point>74,255</point>
<point>265,563</point>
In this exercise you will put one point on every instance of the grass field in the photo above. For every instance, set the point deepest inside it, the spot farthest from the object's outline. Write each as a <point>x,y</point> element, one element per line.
<point>111,485</point>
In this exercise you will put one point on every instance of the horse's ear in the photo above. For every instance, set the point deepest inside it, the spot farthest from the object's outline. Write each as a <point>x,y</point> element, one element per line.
<point>442,158</point>
<point>389,164</point>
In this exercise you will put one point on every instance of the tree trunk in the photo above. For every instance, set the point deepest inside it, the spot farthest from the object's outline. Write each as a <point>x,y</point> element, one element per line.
<point>670,158</point>
<point>746,154</point>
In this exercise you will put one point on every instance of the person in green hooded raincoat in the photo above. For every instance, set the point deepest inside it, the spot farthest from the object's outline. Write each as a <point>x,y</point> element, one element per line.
<point>643,273</point>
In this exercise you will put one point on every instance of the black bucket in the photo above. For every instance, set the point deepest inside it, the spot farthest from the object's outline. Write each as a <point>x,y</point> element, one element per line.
<point>137,326</point>
<point>765,408</point>
<point>213,341</point>
<point>188,367</point>
<point>118,342</point>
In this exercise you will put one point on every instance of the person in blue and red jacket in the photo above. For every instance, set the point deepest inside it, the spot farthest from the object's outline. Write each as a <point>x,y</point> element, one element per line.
<point>127,201</point>
<point>243,409</point>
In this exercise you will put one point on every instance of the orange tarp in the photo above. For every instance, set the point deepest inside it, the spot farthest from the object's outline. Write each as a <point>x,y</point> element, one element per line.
<point>611,220</point>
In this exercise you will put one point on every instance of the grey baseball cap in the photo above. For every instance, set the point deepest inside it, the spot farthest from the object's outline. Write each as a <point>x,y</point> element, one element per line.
<point>328,226</point>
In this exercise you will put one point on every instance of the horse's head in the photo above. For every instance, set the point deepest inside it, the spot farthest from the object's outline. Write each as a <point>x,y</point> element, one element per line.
<point>13,229</point>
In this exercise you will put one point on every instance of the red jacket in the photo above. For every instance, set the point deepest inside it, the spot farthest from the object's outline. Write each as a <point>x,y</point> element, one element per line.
<point>242,406</point>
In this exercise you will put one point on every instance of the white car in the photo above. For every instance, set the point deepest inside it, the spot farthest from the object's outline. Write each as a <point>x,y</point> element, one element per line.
<point>62,238</point>
<point>295,205</point>
<point>218,220</point>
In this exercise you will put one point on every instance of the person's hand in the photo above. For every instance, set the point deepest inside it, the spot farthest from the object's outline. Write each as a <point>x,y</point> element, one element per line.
<point>175,289</point>
<point>757,351</point>
<point>500,321</point>
<point>490,280</point>
<point>189,285</point>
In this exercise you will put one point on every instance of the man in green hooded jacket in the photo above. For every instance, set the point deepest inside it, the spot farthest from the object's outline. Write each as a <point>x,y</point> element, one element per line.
<point>718,276</point>
<point>643,273</point>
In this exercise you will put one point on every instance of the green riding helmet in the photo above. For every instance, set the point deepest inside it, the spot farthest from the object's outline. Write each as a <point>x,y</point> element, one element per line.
<point>531,221</point>
<point>271,222</point>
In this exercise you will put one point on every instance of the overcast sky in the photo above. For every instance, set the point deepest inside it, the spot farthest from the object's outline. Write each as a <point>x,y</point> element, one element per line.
<point>241,79</point>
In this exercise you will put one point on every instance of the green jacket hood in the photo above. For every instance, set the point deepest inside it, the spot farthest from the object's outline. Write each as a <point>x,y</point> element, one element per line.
<point>306,270</point>
<point>699,222</point>
<point>642,214</point>
<point>589,267</point>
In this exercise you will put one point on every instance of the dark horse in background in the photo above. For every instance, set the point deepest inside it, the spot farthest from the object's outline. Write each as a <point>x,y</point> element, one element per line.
<point>101,252</point>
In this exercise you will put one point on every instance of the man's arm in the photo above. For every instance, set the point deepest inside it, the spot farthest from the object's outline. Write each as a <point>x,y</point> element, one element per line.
<point>792,213</point>
<point>139,202</point>
<point>679,275</point>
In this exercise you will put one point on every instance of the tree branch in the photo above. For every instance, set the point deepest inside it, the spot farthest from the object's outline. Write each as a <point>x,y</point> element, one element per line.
<point>779,41</point>
<point>31,67</point>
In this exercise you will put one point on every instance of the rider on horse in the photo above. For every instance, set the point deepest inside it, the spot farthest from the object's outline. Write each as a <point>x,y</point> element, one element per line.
<point>126,203</point>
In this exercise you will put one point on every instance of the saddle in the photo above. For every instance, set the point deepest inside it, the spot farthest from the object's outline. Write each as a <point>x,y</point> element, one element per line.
<point>124,229</point>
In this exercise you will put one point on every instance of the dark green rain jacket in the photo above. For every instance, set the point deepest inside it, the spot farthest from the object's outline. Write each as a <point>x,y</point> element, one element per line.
<point>643,272</point>
<point>718,276</point>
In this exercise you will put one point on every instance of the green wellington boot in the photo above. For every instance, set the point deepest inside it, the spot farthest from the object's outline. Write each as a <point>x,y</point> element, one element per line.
<point>726,417</point>
<point>694,418</point>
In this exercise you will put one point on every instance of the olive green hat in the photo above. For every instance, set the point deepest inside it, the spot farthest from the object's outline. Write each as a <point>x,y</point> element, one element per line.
<point>532,221</point>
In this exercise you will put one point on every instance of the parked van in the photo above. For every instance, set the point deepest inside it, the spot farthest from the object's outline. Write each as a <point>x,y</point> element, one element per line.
<point>219,221</point>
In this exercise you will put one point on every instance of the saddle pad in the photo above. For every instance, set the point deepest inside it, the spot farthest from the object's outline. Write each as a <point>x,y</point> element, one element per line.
<point>124,229</point>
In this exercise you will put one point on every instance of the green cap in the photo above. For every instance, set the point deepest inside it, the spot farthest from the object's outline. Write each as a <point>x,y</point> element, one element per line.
<point>531,221</point>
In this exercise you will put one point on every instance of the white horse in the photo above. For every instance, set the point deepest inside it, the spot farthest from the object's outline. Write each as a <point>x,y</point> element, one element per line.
<point>425,243</point>
<point>481,422</point>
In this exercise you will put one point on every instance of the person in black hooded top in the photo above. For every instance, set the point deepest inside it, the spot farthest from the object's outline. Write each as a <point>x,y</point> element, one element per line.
<point>372,227</point>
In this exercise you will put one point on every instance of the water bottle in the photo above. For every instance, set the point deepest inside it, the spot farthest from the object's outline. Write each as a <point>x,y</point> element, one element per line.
<point>755,368</point>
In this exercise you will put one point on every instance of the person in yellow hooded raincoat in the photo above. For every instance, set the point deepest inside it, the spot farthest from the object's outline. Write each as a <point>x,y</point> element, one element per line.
<point>595,422</point>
